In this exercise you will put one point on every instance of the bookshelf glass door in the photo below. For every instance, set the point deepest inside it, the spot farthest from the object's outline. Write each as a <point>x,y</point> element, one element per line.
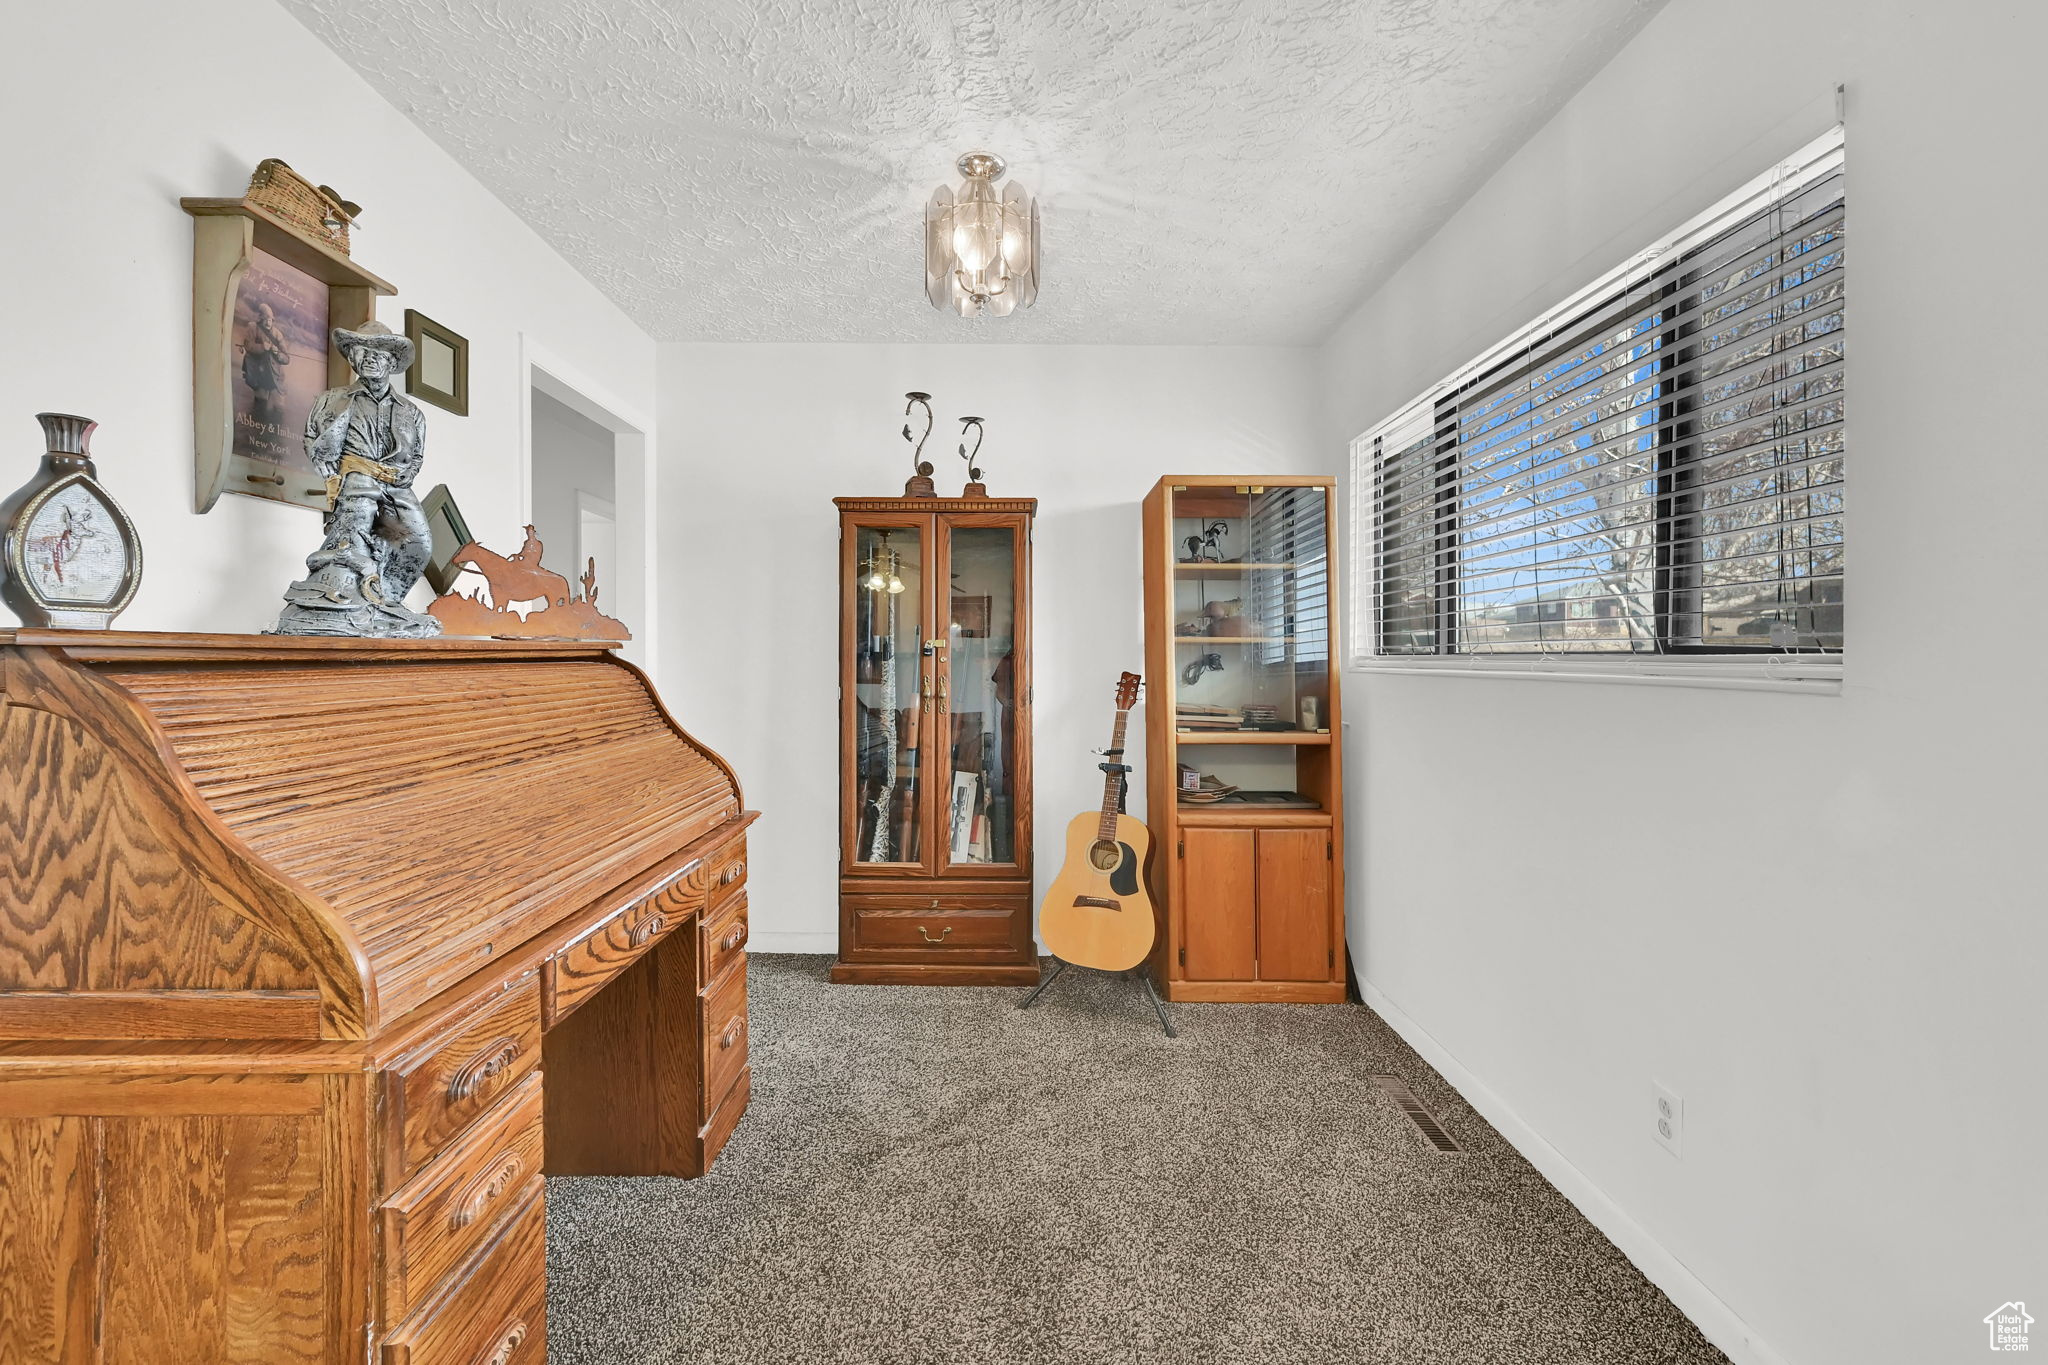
<point>1251,642</point>
<point>892,693</point>
<point>978,701</point>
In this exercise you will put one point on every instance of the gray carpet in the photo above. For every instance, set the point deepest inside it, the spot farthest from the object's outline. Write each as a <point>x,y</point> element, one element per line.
<point>929,1175</point>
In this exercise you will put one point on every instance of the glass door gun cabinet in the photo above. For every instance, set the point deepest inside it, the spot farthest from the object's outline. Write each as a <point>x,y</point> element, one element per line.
<point>1244,751</point>
<point>935,741</point>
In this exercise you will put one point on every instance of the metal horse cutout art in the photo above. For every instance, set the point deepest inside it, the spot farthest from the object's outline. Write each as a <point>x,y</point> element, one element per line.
<point>518,578</point>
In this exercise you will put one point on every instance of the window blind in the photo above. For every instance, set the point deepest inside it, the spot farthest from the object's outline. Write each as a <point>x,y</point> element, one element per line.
<point>1289,591</point>
<point>1655,466</point>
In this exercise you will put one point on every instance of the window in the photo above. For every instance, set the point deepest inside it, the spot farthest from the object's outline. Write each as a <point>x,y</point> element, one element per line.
<point>1654,467</point>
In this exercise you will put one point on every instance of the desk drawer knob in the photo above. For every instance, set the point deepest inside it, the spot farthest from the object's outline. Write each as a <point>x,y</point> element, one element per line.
<point>732,1034</point>
<point>733,939</point>
<point>928,934</point>
<point>514,1338</point>
<point>645,930</point>
<point>496,1058</point>
<point>485,1189</point>
<point>732,874</point>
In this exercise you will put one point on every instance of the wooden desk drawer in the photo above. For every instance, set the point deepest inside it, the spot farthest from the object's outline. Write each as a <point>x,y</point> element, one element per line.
<point>729,873</point>
<point>725,1036</point>
<point>441,1217</point>
<point>494,1310</point>
<point>580,970</point>
<point>720,872</point>
<point>438,1090</point>
<point>721,940</point>
<point>912,927</point>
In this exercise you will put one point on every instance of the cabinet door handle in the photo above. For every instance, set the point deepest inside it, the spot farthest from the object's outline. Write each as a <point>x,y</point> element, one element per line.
<point>927,694</point>
<point>485,1190</point>
<point>928,934</point>
<point>497,1057</point>
<point>514,1338</point>
<point>945,688</point>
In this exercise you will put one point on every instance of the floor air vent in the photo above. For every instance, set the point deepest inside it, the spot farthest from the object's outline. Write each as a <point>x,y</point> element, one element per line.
<point>1424,1121</point>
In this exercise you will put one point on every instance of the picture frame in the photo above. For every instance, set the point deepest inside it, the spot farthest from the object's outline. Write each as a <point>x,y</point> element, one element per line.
<point>450,533</point>
<point>439,373</point>
<point>972,614</point>
<point>279,334</point>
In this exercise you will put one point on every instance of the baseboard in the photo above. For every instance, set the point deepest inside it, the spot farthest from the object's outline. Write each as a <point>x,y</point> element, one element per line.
<point>1720,1323</point>
<point>784,941</point>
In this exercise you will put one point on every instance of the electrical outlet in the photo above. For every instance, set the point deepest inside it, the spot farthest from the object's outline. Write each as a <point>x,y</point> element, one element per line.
<point>1669,1120</point>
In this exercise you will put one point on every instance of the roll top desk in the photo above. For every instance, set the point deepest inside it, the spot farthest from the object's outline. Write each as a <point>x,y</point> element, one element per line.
<point>315,956</point>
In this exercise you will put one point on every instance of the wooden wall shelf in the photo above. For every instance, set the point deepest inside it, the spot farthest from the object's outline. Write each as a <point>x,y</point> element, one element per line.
<point>226,235</point>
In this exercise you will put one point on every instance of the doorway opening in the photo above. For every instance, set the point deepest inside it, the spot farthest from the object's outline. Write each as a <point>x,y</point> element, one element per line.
<point>586,460</point>
<point>575,491</point>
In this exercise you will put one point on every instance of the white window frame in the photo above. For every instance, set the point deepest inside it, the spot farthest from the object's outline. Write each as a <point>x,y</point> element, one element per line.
<point>1809,673</point>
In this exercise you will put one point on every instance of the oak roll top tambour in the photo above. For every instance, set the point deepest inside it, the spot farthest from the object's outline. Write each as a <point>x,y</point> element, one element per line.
<point>320,835</point>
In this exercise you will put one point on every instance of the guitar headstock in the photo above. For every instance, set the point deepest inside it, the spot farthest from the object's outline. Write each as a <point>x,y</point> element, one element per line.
<point>1127,691</point>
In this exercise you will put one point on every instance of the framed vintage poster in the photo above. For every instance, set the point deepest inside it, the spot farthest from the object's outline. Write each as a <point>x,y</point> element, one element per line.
<point>280,344</point>
<point>265,299</point>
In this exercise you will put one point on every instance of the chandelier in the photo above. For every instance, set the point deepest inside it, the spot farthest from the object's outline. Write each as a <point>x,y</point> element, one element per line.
<point>981,248</point>
<point>884,569</point>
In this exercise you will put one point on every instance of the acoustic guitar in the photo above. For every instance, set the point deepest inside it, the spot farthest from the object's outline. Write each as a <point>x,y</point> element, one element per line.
<point>1096,913</point>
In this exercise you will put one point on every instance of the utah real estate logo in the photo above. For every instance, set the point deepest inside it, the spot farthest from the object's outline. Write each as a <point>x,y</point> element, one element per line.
<point>2008,1325</point>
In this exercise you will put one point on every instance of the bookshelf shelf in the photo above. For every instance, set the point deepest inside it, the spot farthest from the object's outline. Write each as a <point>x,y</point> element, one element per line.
<point>1251,736</point>
<point>1227,570</point>
<point>1234,639</point>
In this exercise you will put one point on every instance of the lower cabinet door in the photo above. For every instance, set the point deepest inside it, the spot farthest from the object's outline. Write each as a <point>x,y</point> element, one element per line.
<point>1294,905</point>
<point>1219,910</point>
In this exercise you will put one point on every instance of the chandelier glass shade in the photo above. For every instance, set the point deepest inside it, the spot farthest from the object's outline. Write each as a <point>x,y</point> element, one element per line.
<point>884,569</point>
<point>981,245</point>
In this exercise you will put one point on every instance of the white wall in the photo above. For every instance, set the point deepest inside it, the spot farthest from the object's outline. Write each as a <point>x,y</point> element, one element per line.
<point>116,110</point>
<point>571,455</point>
<point>760,438</point>
<point>1818,919</point>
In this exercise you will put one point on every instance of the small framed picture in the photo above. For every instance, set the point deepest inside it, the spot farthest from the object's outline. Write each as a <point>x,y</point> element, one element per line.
<point>440,364</point>
<point>451,533</point>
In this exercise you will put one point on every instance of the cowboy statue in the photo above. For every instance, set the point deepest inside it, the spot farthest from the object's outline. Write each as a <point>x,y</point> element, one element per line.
<point>367,440</point>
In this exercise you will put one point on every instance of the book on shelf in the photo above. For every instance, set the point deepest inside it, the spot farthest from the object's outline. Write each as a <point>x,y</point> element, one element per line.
<point>966,791</point>
<point>1195,715</point>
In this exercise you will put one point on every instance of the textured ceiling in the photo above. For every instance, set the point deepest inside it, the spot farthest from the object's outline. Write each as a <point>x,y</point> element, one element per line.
<point>1209,171</point>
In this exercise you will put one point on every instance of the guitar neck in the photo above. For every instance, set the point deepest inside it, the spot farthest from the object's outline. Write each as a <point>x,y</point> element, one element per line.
<point>1112,781</point>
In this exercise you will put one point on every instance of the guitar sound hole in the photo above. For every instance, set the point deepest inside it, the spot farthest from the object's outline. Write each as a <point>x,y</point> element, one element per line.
<point>1105,855</point>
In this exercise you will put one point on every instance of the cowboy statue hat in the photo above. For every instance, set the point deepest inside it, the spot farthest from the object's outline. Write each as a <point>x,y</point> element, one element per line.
<point>375,334</point>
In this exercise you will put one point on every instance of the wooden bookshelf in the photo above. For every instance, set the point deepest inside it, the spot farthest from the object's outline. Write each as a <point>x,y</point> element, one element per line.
<point>1250,899</point>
